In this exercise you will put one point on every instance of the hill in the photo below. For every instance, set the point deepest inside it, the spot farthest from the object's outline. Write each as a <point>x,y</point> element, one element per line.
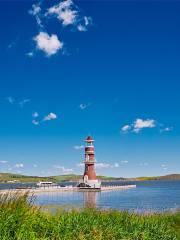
<point>12,177</point>
<point>166,177</point>
<point>8,177</point>
<point>170,177</point>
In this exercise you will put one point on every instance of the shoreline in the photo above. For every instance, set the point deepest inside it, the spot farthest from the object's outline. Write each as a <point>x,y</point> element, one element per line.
<point>103,181</point>
<point>66,189</point>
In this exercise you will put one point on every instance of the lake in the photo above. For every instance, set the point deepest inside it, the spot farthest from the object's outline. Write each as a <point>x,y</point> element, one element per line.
<point>148,196</point>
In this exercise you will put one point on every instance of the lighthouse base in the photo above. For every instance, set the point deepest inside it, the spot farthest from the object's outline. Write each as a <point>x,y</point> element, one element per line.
<point>90,184</point>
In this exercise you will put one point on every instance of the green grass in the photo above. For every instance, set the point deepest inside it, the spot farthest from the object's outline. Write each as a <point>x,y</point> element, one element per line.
<point>21,220</point>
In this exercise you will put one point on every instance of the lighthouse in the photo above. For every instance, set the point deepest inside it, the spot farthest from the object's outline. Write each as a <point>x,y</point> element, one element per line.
<point>89,177</point>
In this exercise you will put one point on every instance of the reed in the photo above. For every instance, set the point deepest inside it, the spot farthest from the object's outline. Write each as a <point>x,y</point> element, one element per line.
<point>21,220</point>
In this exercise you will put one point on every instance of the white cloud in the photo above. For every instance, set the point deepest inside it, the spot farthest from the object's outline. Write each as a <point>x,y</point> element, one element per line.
<point>12,44</point>
<point>164,167</point>
<point>63,169</point>
<point>81,28</point>
<point>124,161</point>
<point>35,9</point>
<point>36,12</point>
<point>116,165</point>
<point>69,14</point>
<point>126,128</point>
<point>35,122</point>
<point>3,162</point>
<point>87,20</point>
<point>23,102</point>
<point>19,165</point>
<point>48,44</point>
<point>106,165</point>
<point>35,114</point>
<point>139,124</point>
<point>11,100</point>
<point>67,17</point>
<point>145,164</point>
<point>83,106</point>
<point>64,12</point>
<point>167,129</point>
<point>97,165</point>
<point>102,165</point>
<point>80,165</point>
<point>67,170</point>
<point>30,54</point>
<point>50,116</point>
<point>35,165</point>
<point>78,147</point>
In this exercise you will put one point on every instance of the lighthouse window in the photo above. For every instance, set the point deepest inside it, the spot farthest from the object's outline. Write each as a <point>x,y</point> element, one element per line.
<point>89,144</point>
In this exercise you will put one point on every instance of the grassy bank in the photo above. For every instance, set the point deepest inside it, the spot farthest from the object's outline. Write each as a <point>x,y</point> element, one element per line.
<point>20,220</point>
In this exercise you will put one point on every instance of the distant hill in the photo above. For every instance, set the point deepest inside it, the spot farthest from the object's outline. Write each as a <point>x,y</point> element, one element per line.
<point>11,177</point>
<point>170,177</point>
<point>6,177</point>
<point>166,177</point>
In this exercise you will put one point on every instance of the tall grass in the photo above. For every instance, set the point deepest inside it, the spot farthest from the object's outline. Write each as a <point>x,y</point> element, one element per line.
<point>21,220</point>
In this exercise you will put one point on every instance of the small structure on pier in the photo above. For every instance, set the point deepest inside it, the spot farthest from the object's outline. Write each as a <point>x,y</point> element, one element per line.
<point>89,178</point>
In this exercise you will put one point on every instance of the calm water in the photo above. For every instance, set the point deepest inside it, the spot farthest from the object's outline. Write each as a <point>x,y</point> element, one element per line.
<point>148,196</point>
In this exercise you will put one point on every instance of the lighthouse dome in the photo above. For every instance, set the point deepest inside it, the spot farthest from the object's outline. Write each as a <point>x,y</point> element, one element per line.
<point>89,139</point>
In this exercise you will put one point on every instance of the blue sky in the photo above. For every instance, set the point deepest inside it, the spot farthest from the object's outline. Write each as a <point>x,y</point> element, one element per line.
<point>106,68</point>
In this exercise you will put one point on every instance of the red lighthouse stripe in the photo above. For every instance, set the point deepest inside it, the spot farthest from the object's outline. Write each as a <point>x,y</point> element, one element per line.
<point>89,148</point>
<point>89,171</point>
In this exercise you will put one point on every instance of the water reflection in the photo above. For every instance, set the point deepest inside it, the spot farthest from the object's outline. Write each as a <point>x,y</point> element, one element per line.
<point>87,199</point>
<point>90,199</point>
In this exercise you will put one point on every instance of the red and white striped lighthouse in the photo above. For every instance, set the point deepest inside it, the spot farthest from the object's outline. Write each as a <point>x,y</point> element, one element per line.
<point>89,171</point>
<point>89,177</point>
